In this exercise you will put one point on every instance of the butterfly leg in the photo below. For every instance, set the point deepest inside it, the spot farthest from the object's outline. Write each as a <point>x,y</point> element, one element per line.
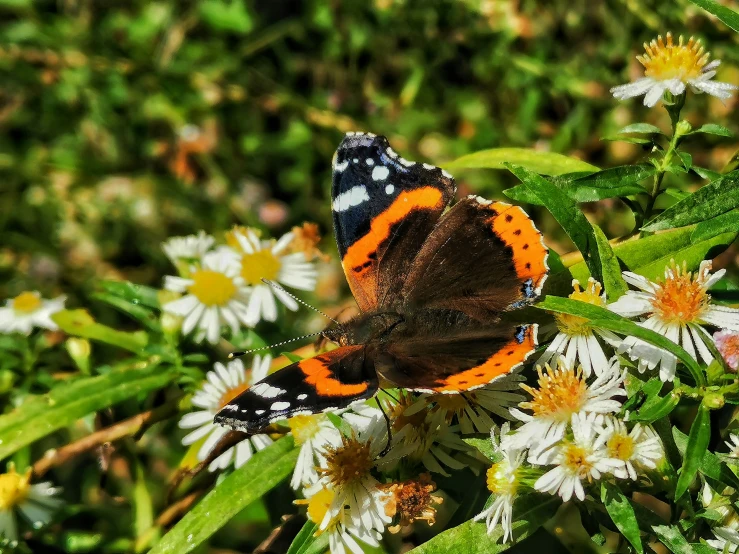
<point>389,428</point>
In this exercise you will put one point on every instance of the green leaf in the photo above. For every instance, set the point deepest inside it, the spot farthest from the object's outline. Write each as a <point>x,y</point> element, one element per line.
<point>700,434</point>
<point>721,224</point>
<point>656,408</point>
<point>485,446</point>
<point>142,314</point>
<point>601,317</point>
<point>713,129</point>
<point>711,465</point>
<point>628,138</point>
<point>41,415</point>
<point>226,15</point>
<point>567,214</point>
<point>131,292</point>
<point>264,471</point>
<point>643,128</point>
<point>294,358</point>
<point>613,281</point>
<point>530,512</point>
<point>670,536</point>
<point>622,514</point>
<point>304,538</point>
<point>545,163</point>
<point>715,198</point>
<point>81,324</point>
<point>728,16</point>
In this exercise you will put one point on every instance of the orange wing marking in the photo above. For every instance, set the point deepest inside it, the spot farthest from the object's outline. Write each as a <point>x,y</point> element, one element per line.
<point>319,376</point>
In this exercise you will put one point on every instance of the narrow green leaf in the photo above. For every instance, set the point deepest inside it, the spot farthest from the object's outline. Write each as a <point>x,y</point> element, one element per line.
<point>601,317</point>
<point>728,16</point>
<point>622,514</point>
<point>700,434</point>
<point>545,163</point>
<point>713,129</point>
<point>567,214</point>
<point>643,128</point>
<point>656,408</point>
<point>142,502</point>
<point>81,324</point>
<point>141,313</point>
<point>628,138</point>
<point>711,465</point>
<point>264,471</point>
<point>133,293</point>
<point>294,358</point>
<point>715,198</point>
<point>303,539</point>
<point>612,182</point>
<point>530,513</point>
<point>41,415</point>
<point>670,536</point>
<point>721,224</point>
<point>686,159</point>
<point>613,281</point>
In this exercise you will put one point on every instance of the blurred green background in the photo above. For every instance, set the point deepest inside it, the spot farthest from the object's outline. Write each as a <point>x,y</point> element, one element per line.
<point>123,123</point>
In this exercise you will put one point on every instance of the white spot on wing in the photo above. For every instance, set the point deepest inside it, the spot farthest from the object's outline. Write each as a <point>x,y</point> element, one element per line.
<point>279,406</point>
<point>302,396</point>
<point>446,174</point>
<point>355,160</point>
<point>259,412</point>
<point>406,163</point>
<point>230,408</point>
<point>350,198</point>
<point>380,173</point>
<point>389,189</point>
<point>429,166</point>
<point>267,391</point>
<point>369,161</point>
<point>391,152</point>
<point>342,166</point>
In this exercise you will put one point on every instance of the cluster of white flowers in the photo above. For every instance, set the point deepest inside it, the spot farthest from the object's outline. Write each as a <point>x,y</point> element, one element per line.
<point>570,437</point>
<point>229,284</point>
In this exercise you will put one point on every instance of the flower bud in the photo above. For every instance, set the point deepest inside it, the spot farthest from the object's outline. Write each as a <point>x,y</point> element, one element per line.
<point>714,400</point>
<point>79,350</point>
<point>683,128</point>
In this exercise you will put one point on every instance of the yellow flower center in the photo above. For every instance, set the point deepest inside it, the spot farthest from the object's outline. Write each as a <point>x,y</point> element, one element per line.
<point>211,287</point>
<point>260,265</point>
<point>682,297</point>
<point>576,459</point>
<point>667,60</point>
<point>620,446</point>
<point>561,393</point>
<point>231,239</point>
<point>13,488</point>
<point>305,427</point>
<point>349,463</point>
<point>572,325</point>
<point>451,402</point>
<point>232,393</point>
<point>26,303</point>
<point>500,480</point>
<point>319,504</point>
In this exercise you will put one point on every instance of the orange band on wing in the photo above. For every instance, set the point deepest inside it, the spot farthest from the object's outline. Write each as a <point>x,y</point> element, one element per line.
<point>500,363</point>
<point>520,234</point>
<point>360,260</point>
<point>319,376</point>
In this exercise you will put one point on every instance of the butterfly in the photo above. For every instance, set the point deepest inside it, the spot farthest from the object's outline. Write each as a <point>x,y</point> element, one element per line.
<point>431,281</point>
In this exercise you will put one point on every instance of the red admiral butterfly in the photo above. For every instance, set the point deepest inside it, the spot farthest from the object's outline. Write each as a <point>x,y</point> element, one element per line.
<point>431,286</point>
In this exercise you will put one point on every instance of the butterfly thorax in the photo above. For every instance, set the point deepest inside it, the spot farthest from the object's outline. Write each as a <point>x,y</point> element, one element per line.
<point>365,328</point>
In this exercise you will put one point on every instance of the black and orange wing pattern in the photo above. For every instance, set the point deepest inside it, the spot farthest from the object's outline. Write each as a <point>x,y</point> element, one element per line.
<point>329,381</point>
<point>384,208</point>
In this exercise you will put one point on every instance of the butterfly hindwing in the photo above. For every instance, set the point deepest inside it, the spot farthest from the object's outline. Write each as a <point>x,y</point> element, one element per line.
<point>383,207</point>
<point>482,259</point>
<point>328,381</point>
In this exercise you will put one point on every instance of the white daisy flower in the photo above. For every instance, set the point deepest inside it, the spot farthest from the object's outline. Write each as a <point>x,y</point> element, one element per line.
<point>28,310</point>
<point>189,248</point>
<point>733,444</point>
<point>503,482</point>
<point>727,540</point>
<point>215,295</point>
<point>582,458</point>
<point>563,392</point>
<point>638,448</point>
<point>577,338</point>
<point>671,67</point>
<point>422,435</point>
<point>222,385</point>
<point>313,433</point>
<point>36,503</point>
<point>343,535</point>
<point>471,410</point>
<point>676,309</point>
<point>270,260</point>
<point>359,500</point>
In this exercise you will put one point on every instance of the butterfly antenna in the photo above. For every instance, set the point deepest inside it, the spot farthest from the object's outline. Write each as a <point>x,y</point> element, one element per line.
<point>389,428</point>
<point>280,288</point>
<point>245,352</point>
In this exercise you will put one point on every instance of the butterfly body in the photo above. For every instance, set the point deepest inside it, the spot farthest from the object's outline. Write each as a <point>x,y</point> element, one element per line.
<point>433,286</point>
